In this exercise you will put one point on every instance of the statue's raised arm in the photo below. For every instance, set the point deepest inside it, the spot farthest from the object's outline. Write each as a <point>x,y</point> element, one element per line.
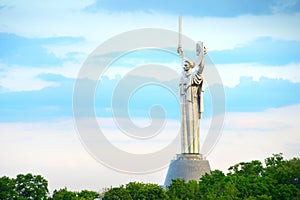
<point>200,53</point>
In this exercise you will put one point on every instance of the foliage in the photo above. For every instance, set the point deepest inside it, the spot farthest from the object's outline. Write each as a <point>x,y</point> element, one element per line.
<point>117,193</point>
<point>24,187</point>
<point>63,194</point>
<point>7,188</point>
<point>279,179</point>
<point>35,187</point>
<point>31,187</point>
<point>88,195</point>
<point>179,189</point>
<point>274,179</point>
<point>134,190</point>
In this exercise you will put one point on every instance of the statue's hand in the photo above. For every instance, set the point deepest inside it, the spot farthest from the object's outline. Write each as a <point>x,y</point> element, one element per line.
<point>201,64</point>
<point>180,50</point>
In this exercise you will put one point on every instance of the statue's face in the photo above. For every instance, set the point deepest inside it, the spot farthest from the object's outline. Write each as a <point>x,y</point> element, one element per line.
<point>187,65</point>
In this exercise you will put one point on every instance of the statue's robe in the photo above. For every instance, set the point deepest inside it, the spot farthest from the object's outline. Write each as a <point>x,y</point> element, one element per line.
<point>191,102</point>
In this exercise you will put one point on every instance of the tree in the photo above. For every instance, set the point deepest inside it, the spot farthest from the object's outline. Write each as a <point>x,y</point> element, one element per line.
<point>64,194</point>
<point>151,192</point>
<point>279,179</point>
<point>7,188</point>
<point>283,177</point>
<point>248,180</point>
<point>276,179</point>
<point>31,187</point>
<point>275,160</point>
<point>117,193</point>
<point>134,190</point>
<point>145,191</point>
<point>254,168</point>
<point>218,186</point>
<point>192,188</point>
<point>177,189</point>
<point>88,195</point>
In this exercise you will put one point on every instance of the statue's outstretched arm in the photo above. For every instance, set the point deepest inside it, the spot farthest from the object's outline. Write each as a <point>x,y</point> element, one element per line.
<point>202,62</point>
<point>180,52</point>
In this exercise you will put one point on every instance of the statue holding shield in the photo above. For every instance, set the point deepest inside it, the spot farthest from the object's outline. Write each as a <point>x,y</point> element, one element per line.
<point>191,98</point>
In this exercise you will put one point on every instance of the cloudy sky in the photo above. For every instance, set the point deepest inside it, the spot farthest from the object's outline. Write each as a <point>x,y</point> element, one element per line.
<point>254,45</point>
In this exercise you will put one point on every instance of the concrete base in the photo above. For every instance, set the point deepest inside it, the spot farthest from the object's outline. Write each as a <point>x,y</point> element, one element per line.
<point>187,167</point>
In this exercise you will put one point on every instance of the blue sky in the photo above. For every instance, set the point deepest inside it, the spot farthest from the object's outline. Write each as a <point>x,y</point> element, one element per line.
<point>227,8</point>
<point>255,46</point>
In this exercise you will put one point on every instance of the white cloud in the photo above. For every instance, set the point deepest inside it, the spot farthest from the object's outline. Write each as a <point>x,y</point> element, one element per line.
<point>145,71</point>
<point>227,33</point>
<point>17,78</point>
<point>37,20</point>
<point>61,51</point>
<point>20,78</point>
<point>258,135</point>
<point>67,69</point>
<point>56,151</point>
<point>231,73</point>
<point>130,144</point>
<point>282,5</point>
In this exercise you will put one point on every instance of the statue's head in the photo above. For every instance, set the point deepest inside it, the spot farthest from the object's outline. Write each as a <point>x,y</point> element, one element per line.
<point>188,64</point>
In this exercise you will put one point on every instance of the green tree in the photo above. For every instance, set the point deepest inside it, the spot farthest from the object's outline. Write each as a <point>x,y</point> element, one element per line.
<point>254,168</point>
<point>276,179</point>
<point>64,194</point>
<point>117,193</point>
<point>275,160</point>
<point>88,195</point>
<point>177,189</point>
<point>7,188</point>
<point>248,180</point>
<point>283,177</point>
<point>133,188</point>
<point>192,189</point>
<point>31,187</point>
<point>279,179</point>
<point>218,186</point>
<point>145,191</point>
<point>151,192</point>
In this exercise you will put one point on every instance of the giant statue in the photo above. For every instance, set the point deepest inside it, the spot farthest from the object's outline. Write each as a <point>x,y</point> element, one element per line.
<point>191,99</point>
<point>190,164</point>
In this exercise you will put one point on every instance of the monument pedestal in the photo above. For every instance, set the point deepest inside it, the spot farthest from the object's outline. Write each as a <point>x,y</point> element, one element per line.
<point>187,167</point>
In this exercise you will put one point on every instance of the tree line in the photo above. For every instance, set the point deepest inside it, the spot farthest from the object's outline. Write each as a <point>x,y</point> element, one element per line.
<point>274,179</point>
<point>35,187</point>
